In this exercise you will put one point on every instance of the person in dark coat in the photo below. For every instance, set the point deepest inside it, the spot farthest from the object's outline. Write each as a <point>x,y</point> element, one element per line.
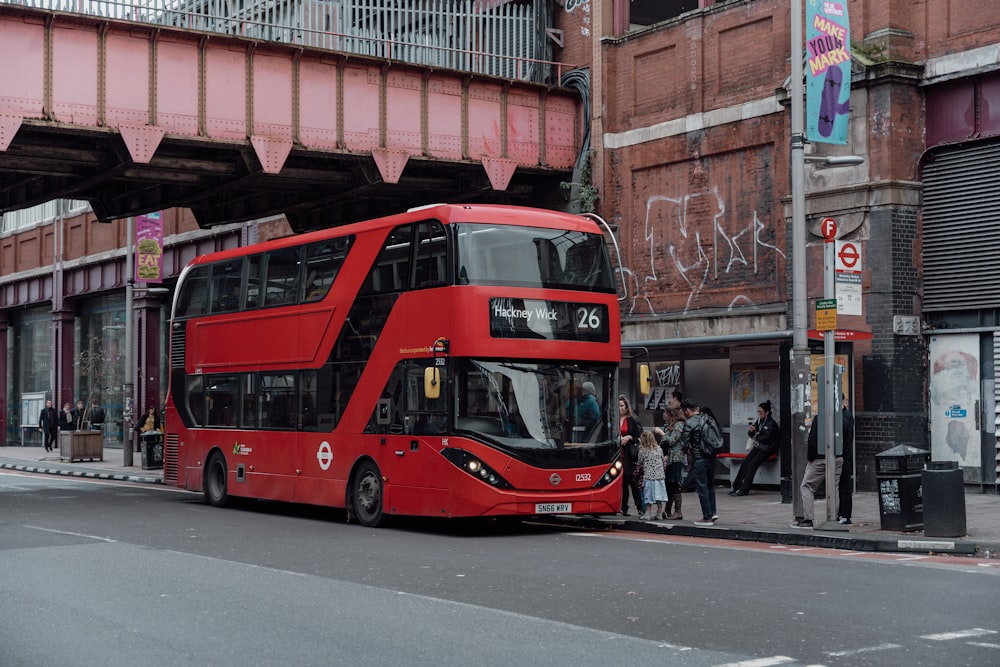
<point>630,430</point>
<point>845,487</point>
<point>816,467</point>
<point>48,424</point>
<point>764,432</point>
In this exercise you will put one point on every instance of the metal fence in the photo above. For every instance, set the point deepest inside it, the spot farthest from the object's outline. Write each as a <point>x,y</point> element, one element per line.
<point>502,39</point>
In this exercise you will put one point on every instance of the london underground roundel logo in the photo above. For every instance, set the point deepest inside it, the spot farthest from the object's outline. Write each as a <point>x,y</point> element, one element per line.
<point>324,455</point>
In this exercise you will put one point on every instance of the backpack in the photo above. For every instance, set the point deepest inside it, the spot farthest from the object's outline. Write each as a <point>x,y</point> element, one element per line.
<point>711,437</point>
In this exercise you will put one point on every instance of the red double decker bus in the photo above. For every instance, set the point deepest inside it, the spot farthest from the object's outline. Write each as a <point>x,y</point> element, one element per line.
<point>450,361</point>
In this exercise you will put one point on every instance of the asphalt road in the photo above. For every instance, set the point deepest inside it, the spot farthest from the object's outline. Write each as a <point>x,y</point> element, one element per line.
<point>99,573</point>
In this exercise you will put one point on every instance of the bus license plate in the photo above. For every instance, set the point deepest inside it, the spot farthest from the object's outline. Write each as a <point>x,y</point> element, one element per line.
<point>553,508</point>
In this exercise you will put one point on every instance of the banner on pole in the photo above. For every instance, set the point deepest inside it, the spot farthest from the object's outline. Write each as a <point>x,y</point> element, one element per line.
<point>149,247</point>
<point>828,71</point>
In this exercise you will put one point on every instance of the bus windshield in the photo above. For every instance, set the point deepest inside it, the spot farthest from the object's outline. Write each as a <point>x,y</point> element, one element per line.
<point>532,257</point>
<point>532,408</point>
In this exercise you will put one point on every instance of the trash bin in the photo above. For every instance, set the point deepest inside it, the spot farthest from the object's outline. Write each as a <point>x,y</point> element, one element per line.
<point>898,472</point>
<point>152,450</point>
<point>944,499</point>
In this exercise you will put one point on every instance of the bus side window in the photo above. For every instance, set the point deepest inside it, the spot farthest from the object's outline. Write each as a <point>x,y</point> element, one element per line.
<point>307,401</point>
<point>391,271</point>
<point>227,283</point>
<point>249,398</point>
<point>282,277</point>
<point>196,399</point>
<point>323,261</point>
<point>253,281</point>
<point>277,400</point>
<point>223,400</point>
<point>431,260</point>
<point>193,299</point>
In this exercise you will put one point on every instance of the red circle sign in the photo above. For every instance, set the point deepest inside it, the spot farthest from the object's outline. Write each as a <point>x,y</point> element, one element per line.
<point>849,255</point>
<point>828,228</point>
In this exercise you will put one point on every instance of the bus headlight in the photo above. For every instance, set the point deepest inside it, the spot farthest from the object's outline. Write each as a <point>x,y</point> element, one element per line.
<point>613,472</point>
<point>475,467</point>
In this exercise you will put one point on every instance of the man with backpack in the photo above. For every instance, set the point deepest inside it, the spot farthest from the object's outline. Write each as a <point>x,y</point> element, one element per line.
<point>702,437</point>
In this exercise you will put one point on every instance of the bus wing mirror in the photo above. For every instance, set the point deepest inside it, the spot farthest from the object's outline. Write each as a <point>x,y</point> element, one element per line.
<point>645,385</point>
<point>432,382</point>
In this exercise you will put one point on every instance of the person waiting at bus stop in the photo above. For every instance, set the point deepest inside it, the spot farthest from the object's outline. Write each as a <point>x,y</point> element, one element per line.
<point>764,436</point>
<point>630,430</point>
<point>148,422</point>
<point>816,467</point>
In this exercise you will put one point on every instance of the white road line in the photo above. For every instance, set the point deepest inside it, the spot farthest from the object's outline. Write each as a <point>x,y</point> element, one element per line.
<point>959,634</point>
<point>865,649</point>
<point>760,662</point>
<point>68,532</point>
<point>983,644</point>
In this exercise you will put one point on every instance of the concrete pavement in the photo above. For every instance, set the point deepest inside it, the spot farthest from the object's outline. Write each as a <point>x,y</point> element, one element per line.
<point>760,517</point>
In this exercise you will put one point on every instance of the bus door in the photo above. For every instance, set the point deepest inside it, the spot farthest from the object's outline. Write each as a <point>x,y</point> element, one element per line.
<point>412,427</point>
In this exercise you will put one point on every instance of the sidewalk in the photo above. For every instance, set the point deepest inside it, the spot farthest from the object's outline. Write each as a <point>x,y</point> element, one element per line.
<point>759,517</point>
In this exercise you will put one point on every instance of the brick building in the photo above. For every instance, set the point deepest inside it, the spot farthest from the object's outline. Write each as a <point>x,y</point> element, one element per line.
<point>691,133</point>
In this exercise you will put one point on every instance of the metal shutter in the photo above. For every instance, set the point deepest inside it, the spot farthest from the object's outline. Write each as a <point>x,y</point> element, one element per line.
<point>961,228</point>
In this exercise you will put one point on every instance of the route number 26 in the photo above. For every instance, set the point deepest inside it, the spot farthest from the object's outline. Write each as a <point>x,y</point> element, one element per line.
<point>588,318</point>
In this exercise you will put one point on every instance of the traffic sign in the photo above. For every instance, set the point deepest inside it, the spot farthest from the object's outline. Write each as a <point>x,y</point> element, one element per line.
<point>828,228</point>
<point>848,257</point>
<point>842,335</point>
<point>826,314</point>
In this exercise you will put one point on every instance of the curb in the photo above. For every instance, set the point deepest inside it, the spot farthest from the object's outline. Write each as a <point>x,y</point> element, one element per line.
<point>82,473</point>
<point>803,539</point>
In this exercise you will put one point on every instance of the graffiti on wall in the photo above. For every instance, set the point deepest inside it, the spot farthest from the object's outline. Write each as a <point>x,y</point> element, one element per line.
<point>584,7</point>
<point>693,244</point>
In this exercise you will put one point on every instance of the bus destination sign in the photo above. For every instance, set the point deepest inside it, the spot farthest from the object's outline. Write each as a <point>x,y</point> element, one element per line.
<point>550,320</point>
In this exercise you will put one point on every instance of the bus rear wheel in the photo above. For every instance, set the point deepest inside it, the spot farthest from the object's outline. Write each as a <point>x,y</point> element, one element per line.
<point>367,494</point>
<point>216,492</point>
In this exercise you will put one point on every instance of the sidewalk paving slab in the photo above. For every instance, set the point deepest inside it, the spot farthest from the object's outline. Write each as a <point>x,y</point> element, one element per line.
<point>758,517</point>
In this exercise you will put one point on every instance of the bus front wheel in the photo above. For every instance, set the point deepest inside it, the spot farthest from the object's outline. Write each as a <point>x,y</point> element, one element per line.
<point>215,481</point>
<point>366,496</point>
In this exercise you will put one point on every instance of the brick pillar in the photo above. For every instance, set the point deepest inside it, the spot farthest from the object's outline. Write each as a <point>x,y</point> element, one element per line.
<point>148,381</point>
<point>4,389</point>
<point>66,354</point>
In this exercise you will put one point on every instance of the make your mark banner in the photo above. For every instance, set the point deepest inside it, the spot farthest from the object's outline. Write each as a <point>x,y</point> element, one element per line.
<point>828,71</point>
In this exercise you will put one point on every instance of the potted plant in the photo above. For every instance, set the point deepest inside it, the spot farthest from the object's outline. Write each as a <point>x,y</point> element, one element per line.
<point>84,442</point>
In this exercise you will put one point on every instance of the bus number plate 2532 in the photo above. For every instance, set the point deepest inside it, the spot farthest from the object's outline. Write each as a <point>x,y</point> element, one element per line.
<point>553,508</point>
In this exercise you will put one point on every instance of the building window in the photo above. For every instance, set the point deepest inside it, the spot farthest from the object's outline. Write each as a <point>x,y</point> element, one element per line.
<point>643,13</point>
<point>43,214</point>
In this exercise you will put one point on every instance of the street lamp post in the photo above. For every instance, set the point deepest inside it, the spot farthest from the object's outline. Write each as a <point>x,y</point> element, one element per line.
<point>131,366</point>
<point>800,342</point>
<point>129,388</point>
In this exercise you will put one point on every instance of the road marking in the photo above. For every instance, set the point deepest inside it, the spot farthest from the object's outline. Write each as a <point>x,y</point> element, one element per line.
<point>761,662</point>
<point>983,644</point>
<point>69,532</point>
<point>866,649</point>
<point>959,634</point>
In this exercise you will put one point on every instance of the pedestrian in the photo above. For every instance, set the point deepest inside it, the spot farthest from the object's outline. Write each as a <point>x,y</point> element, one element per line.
<point>654,490</point>
<point>675,458</point>
<point>704,460</point>
<point>66,418</point>
<point>675,400</point>
<point>763,435</point>
<point>845,487</point>
<point>630,430</point>
<point>148,422</point>
<point>816,468</point>
<point>79,414</point>
<point>48,425</point>
<point>97,416</point>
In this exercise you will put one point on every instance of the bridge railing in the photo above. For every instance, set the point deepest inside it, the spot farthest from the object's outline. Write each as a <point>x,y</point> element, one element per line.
<point>492,38</point>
